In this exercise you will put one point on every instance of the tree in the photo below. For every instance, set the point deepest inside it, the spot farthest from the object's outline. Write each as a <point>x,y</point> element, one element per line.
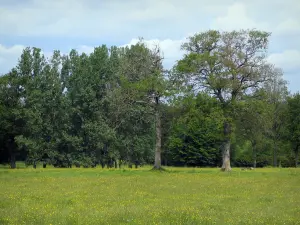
<point>44,107</point>
<point>132,121</point>
<point>227,65</point>
<point>276,94</point>
<point>294,124</point>
<point>196,133</point>
<point>11,120</point>
<point>142,67</point>
<point>253,123</point>
<point>90,78</point>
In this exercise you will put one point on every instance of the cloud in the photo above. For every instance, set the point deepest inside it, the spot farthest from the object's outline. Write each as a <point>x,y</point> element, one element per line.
<point>9,57</point>
<point>83,18</point>
<point>280,20</point>
<point>170,49</point>
<point>236,18</point>
<point>288,26</point>
<point>83,24</point>
<point>84,48</point>
<point>288,60</point>
<point>150,18</point>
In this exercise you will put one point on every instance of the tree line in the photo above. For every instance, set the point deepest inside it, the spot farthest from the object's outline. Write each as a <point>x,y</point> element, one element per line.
<point>221,104</point>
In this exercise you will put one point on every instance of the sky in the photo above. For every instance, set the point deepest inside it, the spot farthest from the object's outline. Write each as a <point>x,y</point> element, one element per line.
<point>85,24</point>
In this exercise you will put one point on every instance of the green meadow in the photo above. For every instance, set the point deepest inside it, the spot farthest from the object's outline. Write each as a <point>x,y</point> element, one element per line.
<point>140,196</point>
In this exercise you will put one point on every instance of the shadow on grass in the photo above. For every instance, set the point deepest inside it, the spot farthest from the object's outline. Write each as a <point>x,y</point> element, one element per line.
<point>160,170</point>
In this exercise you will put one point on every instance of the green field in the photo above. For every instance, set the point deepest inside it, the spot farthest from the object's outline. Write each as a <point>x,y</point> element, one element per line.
<point>139,196</point>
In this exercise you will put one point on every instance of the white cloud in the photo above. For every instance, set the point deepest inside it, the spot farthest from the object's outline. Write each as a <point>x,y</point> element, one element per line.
<point>170,49</point>
<point>9,57</point>
<point>288,60</point>
<point>83,18</point>
<point>162,21</point>
<point>288,26</point>
<point>149,18</point>
<point>86,49</point>
<point>236,18</point>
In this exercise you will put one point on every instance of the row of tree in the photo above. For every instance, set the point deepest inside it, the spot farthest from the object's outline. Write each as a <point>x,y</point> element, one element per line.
<point>221,102</point>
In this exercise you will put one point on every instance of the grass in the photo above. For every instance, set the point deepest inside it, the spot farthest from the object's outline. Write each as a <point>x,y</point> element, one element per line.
<point>140,196</point>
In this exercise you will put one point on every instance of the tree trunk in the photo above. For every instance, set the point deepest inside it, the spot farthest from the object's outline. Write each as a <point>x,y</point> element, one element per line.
<point>254,161</point>
<point>254,153</point>
<point>275,154</point>
<point>129,157</point>
<point>157,163</point>
<point>12,160</point>
<point>12,154</point>
<point>226,148</point>
<point>296,156</point>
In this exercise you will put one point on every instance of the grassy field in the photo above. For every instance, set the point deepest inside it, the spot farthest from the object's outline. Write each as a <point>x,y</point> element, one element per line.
<point>139,196</point>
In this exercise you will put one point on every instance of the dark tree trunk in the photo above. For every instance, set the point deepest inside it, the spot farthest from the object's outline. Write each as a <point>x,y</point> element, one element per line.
<point>44,165</point>
<point>12,160</point>
<point>275,154</point>
<point>111,162</point>
<point>116,164</point>
<point>296,156</point>
<point>157,163</point>
<point>12,154</point>
<point>136,163</point>
<point>254,153</point>
<point>34,165</point>
<point>129,157</point>
<point>226,148</point>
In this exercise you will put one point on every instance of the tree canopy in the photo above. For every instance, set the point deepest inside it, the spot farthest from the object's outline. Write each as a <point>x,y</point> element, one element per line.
<point>222,104</point>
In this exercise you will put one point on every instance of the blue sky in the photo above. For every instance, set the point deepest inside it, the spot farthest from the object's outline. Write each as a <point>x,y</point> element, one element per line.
<point>84,24</point>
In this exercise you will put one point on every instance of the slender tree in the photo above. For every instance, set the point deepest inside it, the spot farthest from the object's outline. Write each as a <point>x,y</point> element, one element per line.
<point>142,67</point>
<point>253,123</point>
<point>276,94</point>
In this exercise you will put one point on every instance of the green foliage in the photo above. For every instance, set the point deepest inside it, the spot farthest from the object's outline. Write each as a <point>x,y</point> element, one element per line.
<point>294,124</point>
<point>11,120</point>
<point>222,63</point>
<point>196,134</point>
<point>294,118</point>
<point>107,107</point>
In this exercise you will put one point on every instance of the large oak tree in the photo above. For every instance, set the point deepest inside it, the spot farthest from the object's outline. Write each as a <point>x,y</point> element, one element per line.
<point>228,65</point>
